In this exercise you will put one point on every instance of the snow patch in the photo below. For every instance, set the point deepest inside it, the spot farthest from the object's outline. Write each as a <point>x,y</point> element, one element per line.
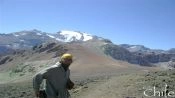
<point>73,35</point>
<point>87,37</point>
<point>133,47</point>
<point>58,39</point>
<point>50,36</point>
<point>69,35</point>
<point>16,35</point>
<point>39,34</point>
<point>19,34</point>
<point>23,33</point>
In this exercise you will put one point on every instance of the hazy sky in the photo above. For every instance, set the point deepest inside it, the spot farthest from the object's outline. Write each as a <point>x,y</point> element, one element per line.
<point>146,22</point>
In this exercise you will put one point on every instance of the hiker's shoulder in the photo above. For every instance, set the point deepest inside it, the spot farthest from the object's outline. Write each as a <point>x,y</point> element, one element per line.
<point>57,65</point>
<point>48,69</point>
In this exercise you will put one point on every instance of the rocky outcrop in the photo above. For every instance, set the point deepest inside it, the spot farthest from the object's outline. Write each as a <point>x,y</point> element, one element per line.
<point>5,59</point>
<point>144,59</point>
<point>117,52</point>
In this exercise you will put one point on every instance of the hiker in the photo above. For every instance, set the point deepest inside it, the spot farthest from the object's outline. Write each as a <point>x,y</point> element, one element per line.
<point>57,79</point>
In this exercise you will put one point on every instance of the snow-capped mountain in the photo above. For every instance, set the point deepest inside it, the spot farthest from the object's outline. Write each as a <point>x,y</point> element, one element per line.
<point>137,54</point>
<point>64,35</point>
<point>28,39</point>
<point>142,49</point>
<point>135,48</point>
<point>69,36</point>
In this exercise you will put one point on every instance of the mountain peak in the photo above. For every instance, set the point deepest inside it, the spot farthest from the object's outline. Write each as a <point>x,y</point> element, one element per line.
<point>29,38</point>
<point>68,36</point>
<point>28,32</point>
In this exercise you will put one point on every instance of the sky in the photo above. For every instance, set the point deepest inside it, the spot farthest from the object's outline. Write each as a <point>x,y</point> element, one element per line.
<point>138,22</point>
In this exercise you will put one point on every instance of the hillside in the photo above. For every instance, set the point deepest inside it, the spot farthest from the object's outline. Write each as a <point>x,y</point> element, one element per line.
<point>100,69</point>
<point>89,60</point>
<point>134,54</point>
<point>90,66</point>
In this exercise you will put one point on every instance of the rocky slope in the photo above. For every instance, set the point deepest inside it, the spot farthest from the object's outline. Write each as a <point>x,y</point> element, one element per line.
<point>94,73</point>
<point>145,57</point>
<point>28,39</point>
<point>135,54</point>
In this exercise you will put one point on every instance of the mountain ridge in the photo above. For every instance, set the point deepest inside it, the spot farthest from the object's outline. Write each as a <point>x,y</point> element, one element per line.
<point>98,65</point>
<point>28,39</point>
<point>136,54</point>
<point>64,36</point>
